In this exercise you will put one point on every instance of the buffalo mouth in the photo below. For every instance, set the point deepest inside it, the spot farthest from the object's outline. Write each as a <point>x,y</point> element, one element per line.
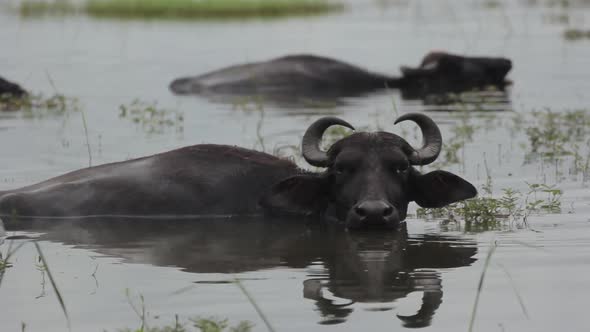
<point>373,214</point>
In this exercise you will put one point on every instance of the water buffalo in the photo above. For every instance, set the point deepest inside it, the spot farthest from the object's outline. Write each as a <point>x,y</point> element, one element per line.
<point>369,179</point>
<point>343,268</point>
<point>316,77</point>
<point>8,88</point>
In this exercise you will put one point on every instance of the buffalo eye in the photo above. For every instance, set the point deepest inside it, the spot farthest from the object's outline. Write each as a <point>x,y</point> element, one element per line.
<point>343,168</point>
<point>340,169</point>
<point>400,168</point>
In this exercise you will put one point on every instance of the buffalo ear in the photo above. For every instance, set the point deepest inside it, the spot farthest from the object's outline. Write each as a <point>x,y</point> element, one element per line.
<point>439,188</point>
<point>299,194</point>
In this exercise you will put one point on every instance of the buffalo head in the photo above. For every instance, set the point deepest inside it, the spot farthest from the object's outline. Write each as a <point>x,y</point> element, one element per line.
<point>448,72</point>
<point>369,178</point>
<point>11,89</point>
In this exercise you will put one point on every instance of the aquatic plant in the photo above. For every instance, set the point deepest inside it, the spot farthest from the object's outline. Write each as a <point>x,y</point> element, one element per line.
<point>555,134</point>
<point>487,212</point>
<point>207,8</point>
<point>576,34</point>
<point>480,284</point>
<point>4,264</point>
<point>37,105</point>
<point>492,4</point>
<point>213,324</point>
<point>462,132</point>
<point>181,9</point>
<point>151,118</point>
<point>37,7</point>
<point>42,264</point>
<point>202,324</point>
<point>209,324</point>
<point>552,202</point>
<point>254,304</point>
<point>485,99</point>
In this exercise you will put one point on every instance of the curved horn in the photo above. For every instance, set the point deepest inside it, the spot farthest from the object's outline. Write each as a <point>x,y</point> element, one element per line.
<point>431,137</point>
<point>310,145</point>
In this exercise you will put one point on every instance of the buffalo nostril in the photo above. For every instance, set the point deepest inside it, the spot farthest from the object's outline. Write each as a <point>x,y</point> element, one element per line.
<point>374,210</point>
<point>388,211</point>
<point>360,211</point>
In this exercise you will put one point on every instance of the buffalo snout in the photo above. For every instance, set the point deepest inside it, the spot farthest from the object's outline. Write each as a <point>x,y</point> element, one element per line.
<point>373,213</point>
<point>497,69</point>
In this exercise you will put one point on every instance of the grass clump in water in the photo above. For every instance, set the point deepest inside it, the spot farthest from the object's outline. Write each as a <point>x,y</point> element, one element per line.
<point>38,8</point>
<point>557,134</point>
<point>210,324</point>
<point>4,264</point>
<point>486,212</point>
<point>37,105</point>
<point>207,8</point>
<point>151,118</point>
<point>576,34</point>
<point>182,9</point>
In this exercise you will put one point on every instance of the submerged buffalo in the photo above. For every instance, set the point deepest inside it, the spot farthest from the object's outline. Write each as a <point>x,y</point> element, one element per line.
<point>8,88</point>
<point>320,77</point>
<point>369,179</point>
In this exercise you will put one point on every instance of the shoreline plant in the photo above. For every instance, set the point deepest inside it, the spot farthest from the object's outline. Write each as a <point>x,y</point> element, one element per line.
<point>180,9</point>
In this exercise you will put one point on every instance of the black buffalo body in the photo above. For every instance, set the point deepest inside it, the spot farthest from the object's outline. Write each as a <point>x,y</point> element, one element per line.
<point>369,179</point>
<point>320,77</point>
<point>8,88</point>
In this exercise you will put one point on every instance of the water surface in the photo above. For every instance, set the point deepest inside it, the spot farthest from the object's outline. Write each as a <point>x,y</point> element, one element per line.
<point>304,277</point>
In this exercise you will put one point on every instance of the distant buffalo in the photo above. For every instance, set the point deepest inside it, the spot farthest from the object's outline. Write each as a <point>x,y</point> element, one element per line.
<point>369,179</point>
<point>313,76</point>
<point>10,89</point>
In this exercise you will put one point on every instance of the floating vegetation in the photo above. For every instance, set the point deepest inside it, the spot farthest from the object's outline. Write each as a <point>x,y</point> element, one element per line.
<point>576,34</point>
<point>491,4</point>
<point>4,264</point>
<point>210,324</point>
<point>552,202</point>
<point>558,18</point>
<point>36,106</point>
<point>213,324</point>
<point>44,267</point>
<point>180,9</point>
<point>38,8</point>
<point>477,100</point>
<point>487,212</point>
<point>462,134</point>
<point>557,134</point>
<point>202,324</point>
<point>151,118</point>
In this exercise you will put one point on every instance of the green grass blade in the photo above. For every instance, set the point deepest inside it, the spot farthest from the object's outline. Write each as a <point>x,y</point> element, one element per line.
<point>255,305</point>
<point>54,285</point>
<point>480,285</point>
<point>516,292</point>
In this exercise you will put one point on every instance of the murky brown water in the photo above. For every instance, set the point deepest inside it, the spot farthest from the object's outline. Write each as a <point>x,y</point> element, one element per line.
<point>303,277</point>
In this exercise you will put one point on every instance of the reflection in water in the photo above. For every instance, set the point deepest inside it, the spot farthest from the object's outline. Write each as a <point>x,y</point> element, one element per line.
<point>379,268</point>
<point>354,267</point>
<point>492,99</point>
<point>476,100</point>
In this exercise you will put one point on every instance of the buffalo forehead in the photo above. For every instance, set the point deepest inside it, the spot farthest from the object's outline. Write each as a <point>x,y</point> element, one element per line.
<point>380,144</point>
